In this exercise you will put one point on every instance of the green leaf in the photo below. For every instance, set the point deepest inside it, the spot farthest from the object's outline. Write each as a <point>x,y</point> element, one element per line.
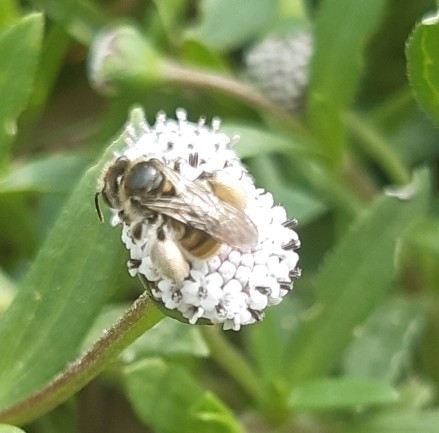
<point>383,344</point>
<point>226,24</point>
<point>181,340</point>
<point>426,237</point>
<point>21,243</point>
<point>336,65</point>
<point>54,52</point>
<point>345,393</point>
<point>9,12</point>
<point>302,206</point>
<point>398,422</point>
<point>162,395</point>
<point>255,141</point>
<point>170,13</point>
<point>353,279</point>
<point>197,53</point>
<point>20,47</point>
<point>423,65</point>
<point>69,281</point>
<point>167,398</point>
<point>10,429</point>
<point>416,393</point>
<point>48,174</point>
<point>80,19</point>
<point>266,342</point>
<point>64,418</point>
<point>210,415</point>
<point>416,138</point>
<point>298,203</point>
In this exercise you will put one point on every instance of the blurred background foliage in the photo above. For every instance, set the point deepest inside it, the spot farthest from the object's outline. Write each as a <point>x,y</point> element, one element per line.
<point>336,105</point>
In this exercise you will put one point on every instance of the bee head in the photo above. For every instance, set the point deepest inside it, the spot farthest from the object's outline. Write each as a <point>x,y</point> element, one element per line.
<point>109,183</point>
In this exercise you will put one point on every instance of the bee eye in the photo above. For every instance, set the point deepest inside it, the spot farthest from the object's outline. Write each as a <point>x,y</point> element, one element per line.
<point>143,176</point>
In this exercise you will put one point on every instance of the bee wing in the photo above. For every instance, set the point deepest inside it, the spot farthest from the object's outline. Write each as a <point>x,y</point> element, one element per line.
<point>194,205</point>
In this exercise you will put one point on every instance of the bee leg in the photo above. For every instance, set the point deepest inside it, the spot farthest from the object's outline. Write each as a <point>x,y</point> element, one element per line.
<point>168,258</point>
<point>136,232</point>
<point>122,216</point>
<point>178,163</point>
<point>229,190</point>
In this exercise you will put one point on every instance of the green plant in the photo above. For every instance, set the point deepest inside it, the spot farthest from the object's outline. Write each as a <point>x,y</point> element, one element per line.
<point>352,349</point>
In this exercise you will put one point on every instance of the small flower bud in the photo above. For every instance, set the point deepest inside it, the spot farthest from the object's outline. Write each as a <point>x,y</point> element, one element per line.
<point>121,56</point>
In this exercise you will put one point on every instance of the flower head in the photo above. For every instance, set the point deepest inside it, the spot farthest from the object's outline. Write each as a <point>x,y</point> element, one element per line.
<point>279,68</point>
<point>223,264</point>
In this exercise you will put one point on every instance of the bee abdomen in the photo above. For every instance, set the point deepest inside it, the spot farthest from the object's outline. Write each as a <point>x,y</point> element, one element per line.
<point>198,244</point>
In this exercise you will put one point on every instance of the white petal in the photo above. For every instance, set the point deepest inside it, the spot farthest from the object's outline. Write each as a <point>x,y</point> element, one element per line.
<point>232,287</point>
<point>261,257</point>
<point>279,214</point>
<point>234,257</point>
<point>197,314</point>
<point>259,273</point>
<point>247,260</point>
<point>214,280</point>
<point>227,271</point>
<point>201,266</point>
<point>256,300</point>
<point>243,274</point>
<point>214,263</point>
<point>291,259</point>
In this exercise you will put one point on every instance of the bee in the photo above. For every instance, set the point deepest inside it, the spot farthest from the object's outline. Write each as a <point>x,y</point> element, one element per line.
<point>184,219</point>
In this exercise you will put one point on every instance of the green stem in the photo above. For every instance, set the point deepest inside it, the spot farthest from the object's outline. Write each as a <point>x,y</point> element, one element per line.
<point>390,110</point>
<point>358,181</point>
<point>343,192</point>
<point>378,148</point>
<point>207,80</point>
<point>234,364</point>
<point>140,317</point>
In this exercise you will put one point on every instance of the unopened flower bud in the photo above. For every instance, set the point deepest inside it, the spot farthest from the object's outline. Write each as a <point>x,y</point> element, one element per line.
<point>122,57</point>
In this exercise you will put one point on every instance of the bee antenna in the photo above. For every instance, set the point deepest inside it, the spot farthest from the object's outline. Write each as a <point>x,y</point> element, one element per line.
<point>98,208</point>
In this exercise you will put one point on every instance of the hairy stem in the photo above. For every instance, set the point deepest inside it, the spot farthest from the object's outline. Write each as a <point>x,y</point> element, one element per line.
<point>207,80</point>
<point>140,317</point>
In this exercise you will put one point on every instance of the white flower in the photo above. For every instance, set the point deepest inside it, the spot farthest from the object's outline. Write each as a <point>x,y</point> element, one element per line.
<point>235,284</point>
<point>279,68</point>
